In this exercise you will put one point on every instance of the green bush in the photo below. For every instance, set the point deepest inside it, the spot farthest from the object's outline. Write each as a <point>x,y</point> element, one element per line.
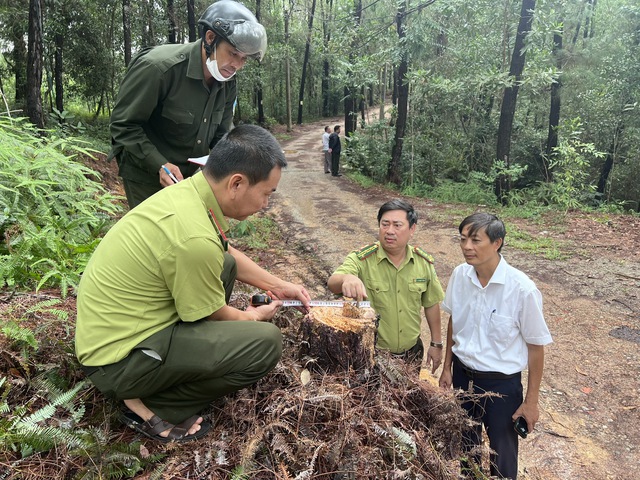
<point>52,211</point>
<point>368,151</point>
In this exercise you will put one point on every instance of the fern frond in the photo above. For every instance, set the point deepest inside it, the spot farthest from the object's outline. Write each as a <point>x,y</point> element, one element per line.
<point>42,305</point>
<point>279,444</point>
<point>405,441</point>
<point>306,474</point>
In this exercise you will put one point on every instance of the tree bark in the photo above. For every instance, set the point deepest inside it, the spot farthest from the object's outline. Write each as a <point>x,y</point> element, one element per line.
<point>383,91</point>
<point>305,62</point>
<point>554,110</point>
<point>58,71</point>
<point>402,85</point>
<point>148,33</point>
<point>589,19</point>
<point>326,38</point>
<point>191,19</point>
<point>19,60</point>
<point>126,30</point>
<point>337,342</point>
<point>609,160</point>
<point>508,109</point>
<point>287,64</point>
<point>350,90</point>
<point>258,86</point>
<point>171,19</point>
<point>350,110</point>
<point>34,65</point>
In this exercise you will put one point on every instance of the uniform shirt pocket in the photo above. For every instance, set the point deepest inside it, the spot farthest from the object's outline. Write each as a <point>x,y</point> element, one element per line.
<point>502,329</point>
<point>177,123</point>
<point>416,291</point>
<point>418,287</point>
<point>378,287</point>
<point>177,115</point>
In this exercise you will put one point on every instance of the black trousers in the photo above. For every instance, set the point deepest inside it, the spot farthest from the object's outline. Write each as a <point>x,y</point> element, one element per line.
<point>335,163</point>
<point>495,414</point>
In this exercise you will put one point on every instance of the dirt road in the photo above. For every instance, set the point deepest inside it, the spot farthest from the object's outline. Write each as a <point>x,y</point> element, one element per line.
<point>590,398</point>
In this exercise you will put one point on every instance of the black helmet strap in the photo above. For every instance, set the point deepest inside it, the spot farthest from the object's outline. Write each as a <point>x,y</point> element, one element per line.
<point>208,48</point>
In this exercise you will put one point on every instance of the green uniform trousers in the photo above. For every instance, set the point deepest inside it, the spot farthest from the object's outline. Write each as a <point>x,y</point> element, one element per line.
<point>178,371</point>
<point>138,192</point>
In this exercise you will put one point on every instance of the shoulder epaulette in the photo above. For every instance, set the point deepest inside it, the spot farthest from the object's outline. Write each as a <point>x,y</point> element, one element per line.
<point>367,251</point>
<point>418,251</point>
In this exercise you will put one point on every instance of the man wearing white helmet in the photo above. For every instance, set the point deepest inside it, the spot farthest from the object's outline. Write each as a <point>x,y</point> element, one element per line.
<point>176,100</point>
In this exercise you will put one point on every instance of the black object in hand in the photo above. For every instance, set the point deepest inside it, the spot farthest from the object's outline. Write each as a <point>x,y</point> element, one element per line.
<point>260,299</point>
<point>520,426</point>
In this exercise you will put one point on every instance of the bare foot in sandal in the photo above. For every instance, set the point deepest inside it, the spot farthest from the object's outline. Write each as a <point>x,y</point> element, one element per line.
<point>179,431</point>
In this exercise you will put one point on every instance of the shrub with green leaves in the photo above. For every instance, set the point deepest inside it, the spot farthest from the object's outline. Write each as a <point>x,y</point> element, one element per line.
<point>52,210</point>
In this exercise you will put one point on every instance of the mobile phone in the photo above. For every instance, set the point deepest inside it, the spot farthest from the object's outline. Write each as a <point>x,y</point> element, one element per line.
<point>521,427</point>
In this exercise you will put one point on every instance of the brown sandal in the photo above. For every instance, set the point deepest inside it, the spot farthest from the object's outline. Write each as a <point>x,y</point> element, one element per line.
<point>153,427</point>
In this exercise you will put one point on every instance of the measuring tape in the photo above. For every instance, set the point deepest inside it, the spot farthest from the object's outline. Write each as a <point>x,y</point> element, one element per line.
<point>261,299</point>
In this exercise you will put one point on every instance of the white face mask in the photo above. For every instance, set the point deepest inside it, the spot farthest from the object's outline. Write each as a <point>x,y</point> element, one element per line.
<point>212,66</point>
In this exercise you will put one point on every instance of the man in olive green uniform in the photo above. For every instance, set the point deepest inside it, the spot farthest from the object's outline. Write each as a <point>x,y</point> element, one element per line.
<point>176,101</point>
<point>399,279</point>
<point>154,327</point>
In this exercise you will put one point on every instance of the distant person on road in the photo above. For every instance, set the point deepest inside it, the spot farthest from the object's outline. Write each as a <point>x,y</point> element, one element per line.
<point>496,330</point>
<point>154,326</point>
<point>176,101</point>
<point>335,149</point>
<point>326,151</point>
<point>400,280</point>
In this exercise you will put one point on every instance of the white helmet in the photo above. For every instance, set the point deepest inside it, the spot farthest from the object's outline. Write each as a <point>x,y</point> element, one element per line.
<point>235,23</point>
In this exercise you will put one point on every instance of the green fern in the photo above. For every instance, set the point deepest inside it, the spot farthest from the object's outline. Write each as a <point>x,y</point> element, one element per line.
<point>114,460</point>
<point>52,214</point>
<point>40,431</point>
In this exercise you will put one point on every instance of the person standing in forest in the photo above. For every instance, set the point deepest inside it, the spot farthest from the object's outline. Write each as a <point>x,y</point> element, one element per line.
<point>496,330</point>
<point>335,149</point>
<point>176,101</point>
<point>400,280</point>
<point>326,151</point>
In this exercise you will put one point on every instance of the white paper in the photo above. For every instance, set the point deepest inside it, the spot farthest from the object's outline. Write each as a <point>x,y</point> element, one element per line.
<point>199,160</point>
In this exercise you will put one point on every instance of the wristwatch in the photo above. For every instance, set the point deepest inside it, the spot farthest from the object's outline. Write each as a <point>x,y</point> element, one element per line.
<point>436,344</point>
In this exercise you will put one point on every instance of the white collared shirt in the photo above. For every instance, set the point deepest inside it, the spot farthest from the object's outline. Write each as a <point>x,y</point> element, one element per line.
<point>492,325</point>
<point>325,141</point>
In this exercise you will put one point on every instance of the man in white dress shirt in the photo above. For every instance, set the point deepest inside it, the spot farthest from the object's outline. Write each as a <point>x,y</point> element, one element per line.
<point>496,330</point>
<point>326,151</point>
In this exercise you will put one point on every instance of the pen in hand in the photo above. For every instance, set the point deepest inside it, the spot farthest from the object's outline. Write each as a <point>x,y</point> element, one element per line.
<point>171,175</point>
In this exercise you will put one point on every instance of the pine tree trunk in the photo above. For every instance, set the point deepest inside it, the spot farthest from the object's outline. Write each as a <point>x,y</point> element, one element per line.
<point>305,62</point>
<point>191,19</point>
<point>126,30</point>
<point>287,66</point>
<point>171,20</point>
<point>34,65</point>
<point>258,87</point>
<point>402,84</point>
<point>554,112</point>
<point>508,109</point>
<point>58,71</point>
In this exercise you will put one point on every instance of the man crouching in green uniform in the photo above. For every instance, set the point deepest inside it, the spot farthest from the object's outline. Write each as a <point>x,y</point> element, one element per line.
<point>398,279</point>
<point>154,327</point>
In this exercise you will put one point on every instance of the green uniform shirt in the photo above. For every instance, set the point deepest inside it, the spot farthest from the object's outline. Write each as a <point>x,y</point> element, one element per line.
<point>165,112</point>
<point>396,294</point>
<point>159,264</point>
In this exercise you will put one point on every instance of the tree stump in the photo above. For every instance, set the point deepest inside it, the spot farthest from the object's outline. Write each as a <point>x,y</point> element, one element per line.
<point>339,339</point>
